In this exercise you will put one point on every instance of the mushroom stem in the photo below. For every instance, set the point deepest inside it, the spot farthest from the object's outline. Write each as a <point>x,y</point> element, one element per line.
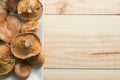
<point>29,9</point>
<point>27,44</point>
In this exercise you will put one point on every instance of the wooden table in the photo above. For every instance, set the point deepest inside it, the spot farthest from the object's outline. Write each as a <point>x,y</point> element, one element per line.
<point>82,40</point>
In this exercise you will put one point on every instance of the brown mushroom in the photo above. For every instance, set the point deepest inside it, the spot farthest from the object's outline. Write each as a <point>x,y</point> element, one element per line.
<point>3,4</point>
<point>12,5</point>
<point>9,28</point>
<point>26,45</point>
<point>7,60</point>
<point>30,9</point>
<point>3,15</point>
<point>22,69</point>
<point>37,60</point>
<point>30,25</point>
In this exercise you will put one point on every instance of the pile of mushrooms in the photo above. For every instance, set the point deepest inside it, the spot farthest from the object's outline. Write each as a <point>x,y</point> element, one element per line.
<point>20,46</point>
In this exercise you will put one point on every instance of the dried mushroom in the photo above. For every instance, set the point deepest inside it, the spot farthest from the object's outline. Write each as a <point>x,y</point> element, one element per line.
<point>37,60</point>
<point>22,69</point>
<point>18,40</point>
<point>3,15</point>
<point>7,60</point>
<point>30,9</point>
<point>12,5</point>
<point>9,28</point>
<point>29,26</point>
<point>3,4</point>
<point>26,45</point>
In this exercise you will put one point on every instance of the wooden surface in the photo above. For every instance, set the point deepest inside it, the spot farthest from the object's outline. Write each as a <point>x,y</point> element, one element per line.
<point>82,47</point>
<point>82,6</point>
<point>79,74</point>
<point>82,41</point>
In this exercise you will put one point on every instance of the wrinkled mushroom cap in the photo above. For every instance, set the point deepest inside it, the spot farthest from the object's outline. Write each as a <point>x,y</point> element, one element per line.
<point>37,60</point>
<point>29,26</point>
<point>30,9</point>
<point>25,45</point>
<point>9,28</point>
<point>7,61</point>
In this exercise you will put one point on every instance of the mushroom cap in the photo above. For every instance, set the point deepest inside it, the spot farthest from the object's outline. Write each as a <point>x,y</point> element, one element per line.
<point>22,69</point>
<point>3,15</point>
<point>9,28</point>
<point>7,60</point>
<point>3,4</point>
<point>37,60</point>
<point>30,9</point>
<point>12,5</point>
<point>26,45</point>
<point>30,25</point>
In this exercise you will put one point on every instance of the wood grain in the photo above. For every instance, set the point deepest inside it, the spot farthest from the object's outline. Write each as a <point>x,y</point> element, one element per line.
<point>82,41</point>
<point>78,74</point>
<point>82,7</point>
<point>82,47</point>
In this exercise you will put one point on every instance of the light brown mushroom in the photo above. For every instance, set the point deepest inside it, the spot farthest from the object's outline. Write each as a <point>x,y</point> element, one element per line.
<point>29,26</point>
<point>30,9</point>
<point>3,15</point>
<point>37,60</point>
<point>7,60</point>
<point>3,4</point>
<point>26,45</point>
<point>22,69</point>
<point>9,29</point>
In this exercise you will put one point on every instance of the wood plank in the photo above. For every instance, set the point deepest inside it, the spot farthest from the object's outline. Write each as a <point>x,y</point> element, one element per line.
<point>65,74</point>
<point>82,41</point>
<point>82,6</point>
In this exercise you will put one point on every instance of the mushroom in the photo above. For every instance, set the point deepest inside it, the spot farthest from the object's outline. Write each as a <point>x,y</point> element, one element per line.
<point>30,25</point>
<point>26,45</point>
<point>7,60</point>
<point>3,4</point>
<point>37,60</point>
<point>3,15</point>
<point>22,69</point>
<point>30,9</point>
<point>12,5</point>
<point>9,28</point>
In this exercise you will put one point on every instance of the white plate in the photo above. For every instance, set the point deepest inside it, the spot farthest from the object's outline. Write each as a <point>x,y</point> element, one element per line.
<point>37,73</point>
